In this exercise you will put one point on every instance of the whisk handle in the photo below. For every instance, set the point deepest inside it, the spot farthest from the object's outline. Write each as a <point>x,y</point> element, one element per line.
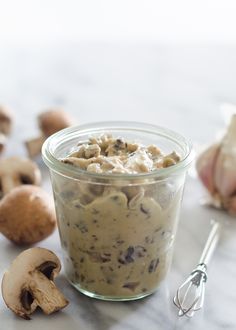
<point>211,243</point>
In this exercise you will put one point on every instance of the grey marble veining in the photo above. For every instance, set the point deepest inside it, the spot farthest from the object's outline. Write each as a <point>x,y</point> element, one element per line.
<point>180,87</point>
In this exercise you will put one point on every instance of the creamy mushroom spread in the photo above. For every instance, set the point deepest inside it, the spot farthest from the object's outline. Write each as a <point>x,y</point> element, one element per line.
<point>117,237</point>
<point>115,155</point>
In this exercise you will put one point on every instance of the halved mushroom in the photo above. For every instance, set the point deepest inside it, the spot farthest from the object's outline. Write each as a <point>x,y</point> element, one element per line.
<point>29,283</point>
<point>15,171</point>
<point>27,215</point>
<point>49,123</point>
<point>6,119</point>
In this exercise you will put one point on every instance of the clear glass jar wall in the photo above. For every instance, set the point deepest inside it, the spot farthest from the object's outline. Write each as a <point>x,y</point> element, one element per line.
<point>117,230</point>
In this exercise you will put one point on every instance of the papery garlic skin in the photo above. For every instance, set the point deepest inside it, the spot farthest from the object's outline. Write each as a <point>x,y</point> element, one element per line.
<point>225,169</point>
<point>216,168</point>
<point>231,207</point>
<point>205,167</point>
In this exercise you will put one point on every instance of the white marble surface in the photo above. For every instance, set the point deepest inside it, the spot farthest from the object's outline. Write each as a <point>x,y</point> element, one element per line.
<point>180,87</point>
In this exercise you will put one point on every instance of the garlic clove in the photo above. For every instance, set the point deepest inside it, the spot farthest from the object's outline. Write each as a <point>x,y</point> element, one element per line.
<point>230,205</point>
<point>225,167</point>
<point>216,168</point>
<point>205,166</point>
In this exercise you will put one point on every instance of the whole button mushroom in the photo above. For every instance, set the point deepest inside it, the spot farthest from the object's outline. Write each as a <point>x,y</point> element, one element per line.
<point>15,171</point>
<point>6,119</point>
<point>27,215</point>
<point>29,283</point>
<point>49,123</point>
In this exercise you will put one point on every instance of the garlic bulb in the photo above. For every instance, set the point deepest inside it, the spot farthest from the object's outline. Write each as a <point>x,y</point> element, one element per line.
<point>216,167</point>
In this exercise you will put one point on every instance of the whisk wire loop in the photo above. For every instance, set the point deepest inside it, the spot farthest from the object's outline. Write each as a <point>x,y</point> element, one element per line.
<point>190,295</point>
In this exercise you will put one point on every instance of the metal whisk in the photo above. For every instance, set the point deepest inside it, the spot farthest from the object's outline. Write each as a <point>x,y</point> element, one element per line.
<point>190,295</point>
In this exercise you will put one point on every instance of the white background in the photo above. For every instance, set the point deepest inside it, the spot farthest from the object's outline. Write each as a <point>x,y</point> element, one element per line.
<point>172,21</point>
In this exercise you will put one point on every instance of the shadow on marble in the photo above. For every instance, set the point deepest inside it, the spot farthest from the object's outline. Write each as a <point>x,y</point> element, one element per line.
<point>153,312</point>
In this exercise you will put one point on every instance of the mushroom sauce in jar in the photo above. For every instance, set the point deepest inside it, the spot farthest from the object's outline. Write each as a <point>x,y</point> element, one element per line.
<point>118,189</point>
<point>118,237</point>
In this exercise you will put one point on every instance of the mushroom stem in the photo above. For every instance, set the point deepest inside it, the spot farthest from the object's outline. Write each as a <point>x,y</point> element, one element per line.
<point>48,297</point>
<point>34,146</point>
<point>8,183</point>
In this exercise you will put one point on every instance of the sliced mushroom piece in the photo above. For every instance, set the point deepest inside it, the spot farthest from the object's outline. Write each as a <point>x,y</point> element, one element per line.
<point>29,283</point>
<point>49,123</point>
<point>27,215</point>
<point>15,171</point>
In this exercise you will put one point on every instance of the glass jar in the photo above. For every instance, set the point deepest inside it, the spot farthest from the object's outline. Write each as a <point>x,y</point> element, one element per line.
<point>117,230</point>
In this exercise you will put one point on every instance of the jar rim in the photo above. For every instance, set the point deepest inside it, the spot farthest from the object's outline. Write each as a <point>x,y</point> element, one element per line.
<point>56,165</point>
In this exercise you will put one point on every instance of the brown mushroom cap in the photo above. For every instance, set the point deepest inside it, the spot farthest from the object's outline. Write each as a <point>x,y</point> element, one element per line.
<point>6,119</point>
<point>53,121</point>
<point>27,215</point>
<point>29,283</point>
<point>3,141</point>
<point>15,171</point>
